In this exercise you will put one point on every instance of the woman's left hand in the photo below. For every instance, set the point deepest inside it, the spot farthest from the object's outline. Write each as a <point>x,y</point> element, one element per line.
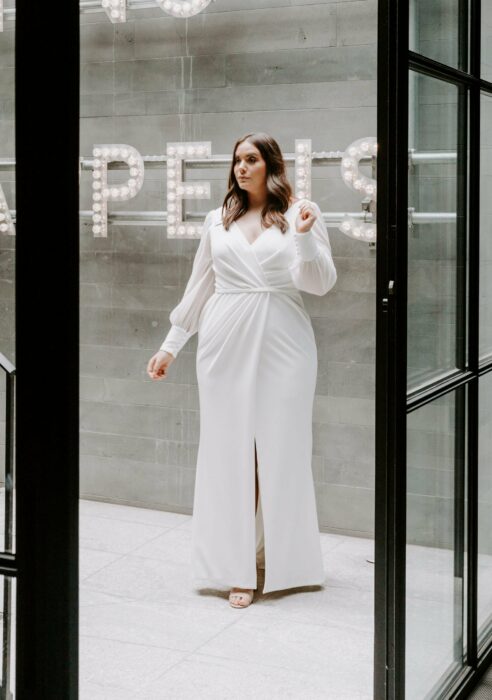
<point>305,218</point>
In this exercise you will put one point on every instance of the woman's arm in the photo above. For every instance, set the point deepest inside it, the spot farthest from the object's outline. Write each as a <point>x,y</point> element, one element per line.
<point>313,269</point>
<point>199,288</point>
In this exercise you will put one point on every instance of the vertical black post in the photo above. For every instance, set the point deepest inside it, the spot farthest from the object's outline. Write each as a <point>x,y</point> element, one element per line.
<point>47,347</point>
<point>474,296</point>
<point>391,360</point>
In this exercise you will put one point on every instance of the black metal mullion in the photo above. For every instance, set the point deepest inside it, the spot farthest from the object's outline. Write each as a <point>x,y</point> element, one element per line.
<point>435,69</point>
<point>47,95</point>
<point>474,331</point>
<point>390,526</point>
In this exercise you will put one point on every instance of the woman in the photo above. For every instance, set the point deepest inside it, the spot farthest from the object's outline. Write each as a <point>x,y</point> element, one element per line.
<point>256,366</point>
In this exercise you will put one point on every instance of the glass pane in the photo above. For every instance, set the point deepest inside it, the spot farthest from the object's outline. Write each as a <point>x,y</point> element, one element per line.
<point>433,29</point>
<point>7,630</point>
<point>434,581</point>
<point>484,606</point>
<point>435,258</point>
<point>486,47</point>
<point>7,275</point>
<point>485,344</point>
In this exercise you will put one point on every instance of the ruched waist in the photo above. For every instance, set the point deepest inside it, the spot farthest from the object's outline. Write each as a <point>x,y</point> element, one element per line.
<point>242,290</point>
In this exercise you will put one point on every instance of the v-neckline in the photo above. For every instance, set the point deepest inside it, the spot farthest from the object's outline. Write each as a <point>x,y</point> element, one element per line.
<point>250,245</point>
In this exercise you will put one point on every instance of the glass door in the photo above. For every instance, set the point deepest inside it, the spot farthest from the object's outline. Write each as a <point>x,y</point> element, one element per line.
<point>433,606</point>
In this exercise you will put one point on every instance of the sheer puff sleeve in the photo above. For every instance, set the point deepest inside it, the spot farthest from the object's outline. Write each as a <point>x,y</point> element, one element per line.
<point>313,269</point>
<point>199,288</point>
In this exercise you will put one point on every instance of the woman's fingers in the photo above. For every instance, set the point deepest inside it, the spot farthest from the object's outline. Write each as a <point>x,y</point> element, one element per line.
<point>156,369</point>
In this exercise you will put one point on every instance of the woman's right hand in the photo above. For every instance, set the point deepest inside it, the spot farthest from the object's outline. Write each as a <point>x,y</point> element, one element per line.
<point>158,364</point>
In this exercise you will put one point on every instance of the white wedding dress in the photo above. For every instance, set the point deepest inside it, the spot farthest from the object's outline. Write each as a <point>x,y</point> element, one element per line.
<point>256,365</point>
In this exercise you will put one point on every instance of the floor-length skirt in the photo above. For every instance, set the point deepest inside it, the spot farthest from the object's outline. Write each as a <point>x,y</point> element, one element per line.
<point>256,368</point>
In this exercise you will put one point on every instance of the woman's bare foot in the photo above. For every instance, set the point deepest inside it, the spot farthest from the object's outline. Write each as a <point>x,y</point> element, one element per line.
<point>241,597</point>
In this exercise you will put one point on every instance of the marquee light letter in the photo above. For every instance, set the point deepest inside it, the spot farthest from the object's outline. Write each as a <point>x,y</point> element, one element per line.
<point>177,190</point>
<point>115,9</point>
<point>6,225</point>
<point>303,168</point>
<point>358,182</point>
<point>102,192</point>
<point>183,8</point>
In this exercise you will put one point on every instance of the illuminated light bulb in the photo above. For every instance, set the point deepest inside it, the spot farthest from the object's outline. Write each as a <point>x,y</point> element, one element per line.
<point>2,217</point>
<point>105,193</point>
<point>96,185</point>
<point>96,196</point>
<point>105,152</point>
<point>132,160</point>
<point>134,171</point>
<point>357,184</point>
<point>125,152</point>
<point>356,231</point>
<point>96,229</point>
<point>171,207</point>
<point>364,146</point>
<point>105,3</point>
<point>370,189</point>
<point>171,173</point>
<point>180,190</point>
<point>171,196</point>
<point>96,207</point>
<point>353,151</point>
<point>171,150</point>
<point>186,7</point>
<point>347,162</point>
<point>96,163</point>
<point>96,174</point>
<point>131,182</point>
<point>96,152</point>
<point>190,190</point>
<point>171,185</point>
<point>346,226</point>
<point>96,218</point>
<point>114,192</point>
<point>3,228</point>
<point>181,150</point>
<point>348,176</point>
<point>125,191</point>
<point>199,190</point>
<point>171,162</point>
<point>171,218</point>
<point>191,150</point>
<point>301,193</point>
<point>301,148</point>
<point>115,14</point>
<point>181,230</point>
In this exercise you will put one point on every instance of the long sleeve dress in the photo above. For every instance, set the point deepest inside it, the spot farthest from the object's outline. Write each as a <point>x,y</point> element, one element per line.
<point>256,366</point>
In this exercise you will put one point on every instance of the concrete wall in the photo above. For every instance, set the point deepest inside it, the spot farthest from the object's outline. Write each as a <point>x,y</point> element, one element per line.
<point>293,69</point>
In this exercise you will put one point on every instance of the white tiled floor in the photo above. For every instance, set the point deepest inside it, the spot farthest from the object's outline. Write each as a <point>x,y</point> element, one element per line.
<point>146,633</point>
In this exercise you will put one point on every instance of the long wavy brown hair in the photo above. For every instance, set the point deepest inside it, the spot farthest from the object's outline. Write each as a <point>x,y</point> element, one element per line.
<point>279,190</point>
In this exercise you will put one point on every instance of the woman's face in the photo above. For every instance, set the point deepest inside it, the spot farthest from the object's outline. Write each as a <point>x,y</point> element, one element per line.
<point>249,167</point>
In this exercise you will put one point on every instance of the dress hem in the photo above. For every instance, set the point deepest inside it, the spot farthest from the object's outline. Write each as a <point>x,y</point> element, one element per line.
<point>219,585</point>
